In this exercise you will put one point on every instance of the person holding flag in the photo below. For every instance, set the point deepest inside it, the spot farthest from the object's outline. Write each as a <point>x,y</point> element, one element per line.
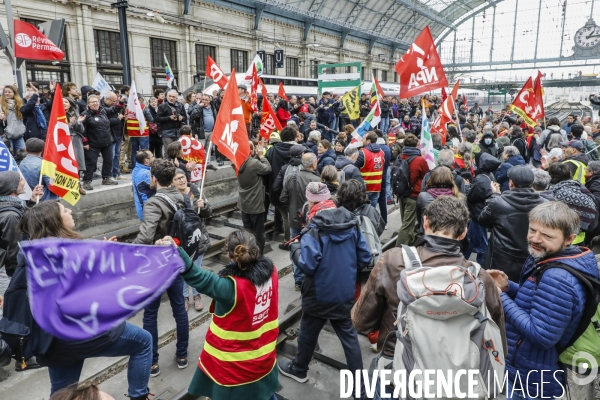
<point>136,125</point>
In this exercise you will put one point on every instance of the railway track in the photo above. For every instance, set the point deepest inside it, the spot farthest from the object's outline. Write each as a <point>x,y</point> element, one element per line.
<point>562,109</point>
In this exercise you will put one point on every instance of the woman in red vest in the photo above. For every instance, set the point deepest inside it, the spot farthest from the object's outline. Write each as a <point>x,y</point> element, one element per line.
<point>238,358</point>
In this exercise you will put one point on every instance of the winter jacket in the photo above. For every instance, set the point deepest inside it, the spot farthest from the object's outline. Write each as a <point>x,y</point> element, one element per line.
<point>417,168</point>
<point>157,216</point>
<point>365,107</point>
<point>506,216</point>
<point>385,109</point>
<point>251,195</point>
<point>387,159</point>
<point>481,187</point>
<point>367,210</point>
<point>325,116</point>
<point>294,194</point>
<point>97,129</point>
<point>331,251</point>
<point>166,126</point>
<point>540,315</point>
<point>196,118</point>
<point>426,198</point>
<point>283,116</point>
<point>343,163</point>
<point>313,147</point>
<point>458,181</point>
<point>32,128</point>
<point>580,200</point>
<point>325,159</point>
<point>502,173</point>
<point>77,127</point>
<point>278,155</point>
<point>491,149</point>
<point>140,182</point>
<point>116,124</point>
<point>378,301</point>
<point>11,211</point>
<point>521,145</point>
<point>593,185</point>
<point>549,131</point>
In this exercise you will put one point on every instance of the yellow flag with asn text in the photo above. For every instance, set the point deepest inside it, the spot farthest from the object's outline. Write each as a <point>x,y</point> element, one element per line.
<point>351,102</point>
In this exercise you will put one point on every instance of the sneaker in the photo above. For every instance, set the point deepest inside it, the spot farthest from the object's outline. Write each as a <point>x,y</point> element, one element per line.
<point>390,202</point>
<point>87,185</point>
<point>287,368</point>
<point>385,226</point>
<point>121,178</point>
<point>220,163</point>
<point>282,246</point>
<point>211,167</point>
<point>109,181</point>
<point>125,170</point>
<point>198,303</point>
<point>181,362</point>
<point>154,371</point>
<point>81,191</point>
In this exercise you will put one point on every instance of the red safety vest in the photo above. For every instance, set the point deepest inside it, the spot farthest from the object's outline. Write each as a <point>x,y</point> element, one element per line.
<point>133,125</point>
<point>372,170</point>
<point>240,345</point>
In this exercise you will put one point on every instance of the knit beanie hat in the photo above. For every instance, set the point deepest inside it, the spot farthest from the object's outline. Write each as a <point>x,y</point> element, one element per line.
<point>317,192</point>
<point>9,182</point>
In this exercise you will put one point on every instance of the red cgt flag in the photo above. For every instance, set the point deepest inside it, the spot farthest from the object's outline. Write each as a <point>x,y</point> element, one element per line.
<point>281,92</point>
<point>59,163</point>
<point>420,69</point>
<point>268,121</point>
<point>215,73</point>
<point>448,105</point>
<point>538,91</point>
<point>525,102</point>
<point>31,44</point>
<point>229,133</point>
<point>193,150</point>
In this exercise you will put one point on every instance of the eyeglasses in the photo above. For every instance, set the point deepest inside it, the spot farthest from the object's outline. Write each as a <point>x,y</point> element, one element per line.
<point>181,178</point>
<point>94,102</point>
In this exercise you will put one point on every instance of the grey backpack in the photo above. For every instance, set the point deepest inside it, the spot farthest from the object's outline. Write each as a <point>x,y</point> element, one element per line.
<point>372,238</point>
<point>443,324</point>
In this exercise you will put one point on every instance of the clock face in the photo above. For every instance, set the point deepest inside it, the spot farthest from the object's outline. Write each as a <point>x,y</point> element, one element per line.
<point>587,37</point>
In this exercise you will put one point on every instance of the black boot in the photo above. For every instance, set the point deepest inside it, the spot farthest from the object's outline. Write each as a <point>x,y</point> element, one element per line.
<point>144,397</point>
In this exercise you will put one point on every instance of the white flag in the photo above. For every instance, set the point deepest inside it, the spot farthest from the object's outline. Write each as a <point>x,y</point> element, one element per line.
<point>135,108</point>
<point>259,68</point>
<point>101,85</point>
<point>426,143</point>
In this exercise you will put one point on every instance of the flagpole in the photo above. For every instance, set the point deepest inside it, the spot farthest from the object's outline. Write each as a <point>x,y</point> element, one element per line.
<point>458,122</point>
<point>206,161</point>
<point>39,183</point>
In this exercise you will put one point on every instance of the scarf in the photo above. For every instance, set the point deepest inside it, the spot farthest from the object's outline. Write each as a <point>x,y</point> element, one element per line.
<point>317,208</point>
<point>39,118</point>
<point>436,192</point>
<point>411,151</point>
<point>579,198</point>
<point>11,104</point>
<point>12,199</point>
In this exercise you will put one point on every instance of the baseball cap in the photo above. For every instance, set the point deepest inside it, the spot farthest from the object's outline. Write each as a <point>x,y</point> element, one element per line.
<point>576,144</point>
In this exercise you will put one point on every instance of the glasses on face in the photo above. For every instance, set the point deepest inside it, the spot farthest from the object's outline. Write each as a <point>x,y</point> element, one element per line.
<point>94,102</point>
<point>180,179</point>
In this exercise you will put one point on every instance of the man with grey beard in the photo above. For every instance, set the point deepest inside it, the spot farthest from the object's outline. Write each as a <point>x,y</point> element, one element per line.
<point>543,311</point>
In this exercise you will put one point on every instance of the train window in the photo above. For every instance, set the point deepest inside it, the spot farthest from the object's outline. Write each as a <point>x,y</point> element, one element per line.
<point>287,82</point>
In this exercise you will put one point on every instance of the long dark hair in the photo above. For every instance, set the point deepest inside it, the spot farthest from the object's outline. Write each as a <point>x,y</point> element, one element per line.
<point>43,221</point>
<point>282,104</point>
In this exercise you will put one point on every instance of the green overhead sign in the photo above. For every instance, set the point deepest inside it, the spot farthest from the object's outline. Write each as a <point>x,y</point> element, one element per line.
<point>330,77</point>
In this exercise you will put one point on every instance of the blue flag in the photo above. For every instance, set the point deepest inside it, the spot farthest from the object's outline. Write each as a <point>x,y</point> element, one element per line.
<point>8,163</point>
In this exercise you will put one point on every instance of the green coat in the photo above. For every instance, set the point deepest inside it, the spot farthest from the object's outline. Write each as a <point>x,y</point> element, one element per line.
<point>223,292</point>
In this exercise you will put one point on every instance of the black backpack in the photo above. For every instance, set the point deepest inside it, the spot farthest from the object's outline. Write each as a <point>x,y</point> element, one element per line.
<point>186,227</point>
<point>400,177</point>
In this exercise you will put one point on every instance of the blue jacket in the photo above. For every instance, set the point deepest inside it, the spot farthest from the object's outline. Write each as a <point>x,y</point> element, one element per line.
<point>502,172</point>
<point>327,158</point>
<point>331,251</point>
<point>32,128</point>
<point>386,164</point>
<point>140,180</point>
<point>536,320</point>
<point>30,168</point>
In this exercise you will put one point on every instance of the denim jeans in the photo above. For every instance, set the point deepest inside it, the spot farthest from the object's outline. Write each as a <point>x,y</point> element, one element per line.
<point>384,125</point>
<point>133,342</point>
<point>388,185</point>
<point>116,170</point>
<point>137,144</point>
<point>373,198</point>
<point>186,288</point>
<point>478,242</point>
<point>175,293</point>
<point>387,390</point>
<point>334,123</point>
<point>298,274</point>
<point>16,145</point>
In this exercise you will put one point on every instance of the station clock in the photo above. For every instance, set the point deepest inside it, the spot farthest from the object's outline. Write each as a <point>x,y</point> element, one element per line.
<point>587,40</point>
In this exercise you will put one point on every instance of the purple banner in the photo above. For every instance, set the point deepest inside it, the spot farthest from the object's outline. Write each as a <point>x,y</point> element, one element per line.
<point>80,289</point>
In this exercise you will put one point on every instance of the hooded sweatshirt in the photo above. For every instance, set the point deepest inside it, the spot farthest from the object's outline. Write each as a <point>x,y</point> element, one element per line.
<point>82,102</point>
<point>481,187</point>
<point>331,251</point>
<point>343,163</point>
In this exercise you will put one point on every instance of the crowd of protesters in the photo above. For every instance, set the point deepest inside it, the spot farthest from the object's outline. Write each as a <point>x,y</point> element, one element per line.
<point>515,197</point>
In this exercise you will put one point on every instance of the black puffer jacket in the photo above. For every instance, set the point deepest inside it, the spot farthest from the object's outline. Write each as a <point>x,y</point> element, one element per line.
<point>481,187</point>
<point>506,216</point>
<point>10,215</point>
<point>97,131</point>
<point>278,156</point>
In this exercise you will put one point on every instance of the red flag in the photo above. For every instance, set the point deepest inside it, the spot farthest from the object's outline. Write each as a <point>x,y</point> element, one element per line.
<point>215,73</point>
<point>448,106</point>
<point>444,94</point>
<point>230,133</point>
<point>268,121</point>
<point>379,89</point>
<point>420,69</point>
<point>538,91</point>
<point>439,126</point>
<point>30,44</point>
<point>254,90</point>
<point>59,162</point>
<point>281,92</point>
<point>465,99</point>
<point>193,151</point>
<point>524,103</point>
